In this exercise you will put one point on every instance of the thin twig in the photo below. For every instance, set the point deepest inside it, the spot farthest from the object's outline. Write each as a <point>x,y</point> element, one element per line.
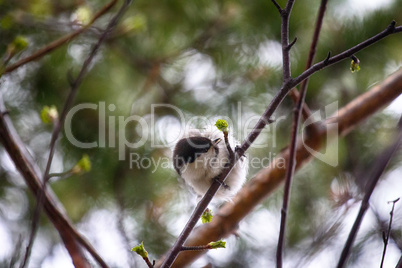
<point>291,44</point>
<point>30,172</point>
<point>278,98</point>
<point>291,165</point>
<point>293,141</point>
<point>314,43</point>
<point>201,206</point>
<point>204,247</point>
<point>373,177</point>
<point>294,94</point>
<point>267,180</point>
<point>148,262</point>
<point>35,221</point>
<point>252,136</point>
<point>310,59</point>
<point>399,264</point>
<point>16,252</point>
<point>391,29</point>
<point>58,126</point>
<point>77,82</point>
<point>199,210</point>
<point>386,238</point>
<point>59,42</point>
<point>285,14</point>
<point>277,6</point>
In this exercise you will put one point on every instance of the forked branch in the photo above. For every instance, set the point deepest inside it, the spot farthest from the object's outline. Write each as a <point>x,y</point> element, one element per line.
<point>293,140</point>
<point>387,235</point>
<point>263,121</point>
<point>267,180</point>
<point>30,172</point>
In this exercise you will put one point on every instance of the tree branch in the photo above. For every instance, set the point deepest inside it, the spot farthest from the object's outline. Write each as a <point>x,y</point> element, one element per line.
<point>293,141</point>
<point>386,238</point>
<point>278,98</point>
<point>200,208</point>
<point>40,192</point>
<point>77,82</point>
<point>318,24</point>
<point>373,176</point>
<point>262,122</point>
<point>59,42</point>
<point>399,264</point>
<point>391,29</point>
<point>285,40</point>
<point>31,174</point>
<point>277,6</point>
<point>226,220</point>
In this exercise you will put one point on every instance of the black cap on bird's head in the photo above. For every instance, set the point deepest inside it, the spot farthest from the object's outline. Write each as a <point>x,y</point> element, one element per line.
<point>188,149</point>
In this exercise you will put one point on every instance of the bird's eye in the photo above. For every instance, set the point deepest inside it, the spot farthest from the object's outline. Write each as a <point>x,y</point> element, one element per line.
<point>206,150</point>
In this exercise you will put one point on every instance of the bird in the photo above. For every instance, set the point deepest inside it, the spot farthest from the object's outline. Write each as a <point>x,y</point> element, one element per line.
<point>200,157</point>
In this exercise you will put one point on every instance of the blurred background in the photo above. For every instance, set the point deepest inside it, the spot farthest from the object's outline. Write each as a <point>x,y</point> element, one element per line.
<point>174,64</point>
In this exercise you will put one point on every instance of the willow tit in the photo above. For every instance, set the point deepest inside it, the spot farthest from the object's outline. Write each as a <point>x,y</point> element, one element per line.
<point>199,158</point>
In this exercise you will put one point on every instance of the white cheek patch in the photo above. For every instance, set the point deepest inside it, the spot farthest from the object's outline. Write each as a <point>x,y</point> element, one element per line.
<point>209,165</point>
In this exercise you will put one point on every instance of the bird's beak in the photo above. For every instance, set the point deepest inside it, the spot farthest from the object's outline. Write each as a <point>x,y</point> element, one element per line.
<point>217,141</point>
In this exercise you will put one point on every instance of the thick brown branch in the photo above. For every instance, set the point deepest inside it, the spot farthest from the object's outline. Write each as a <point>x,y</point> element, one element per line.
<point>24,163</point>
<point>31,173</point>
<point>268,179</point>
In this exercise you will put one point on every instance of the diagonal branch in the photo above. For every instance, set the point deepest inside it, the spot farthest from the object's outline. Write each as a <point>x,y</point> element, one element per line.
<point>15,149</point>
<point>31,174</point>
<point>277,6</point>
<point>67,105</point>
<point>59,42</point>
<point>399,264</point>
<point>373,176</point>
<point>294,94</point>
<point>285,14</point>
<point>200,208</point>
<point>264,120</point>
<point>391,29</point>
<point>388,234</point>
<point>278,98</point>
<point>293,141</point>
<point>77,82</point>
<point>226,220</point>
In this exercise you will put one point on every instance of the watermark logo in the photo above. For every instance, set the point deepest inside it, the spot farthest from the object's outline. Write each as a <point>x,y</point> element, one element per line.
<point>112,131</point>
<point>328,154</point>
